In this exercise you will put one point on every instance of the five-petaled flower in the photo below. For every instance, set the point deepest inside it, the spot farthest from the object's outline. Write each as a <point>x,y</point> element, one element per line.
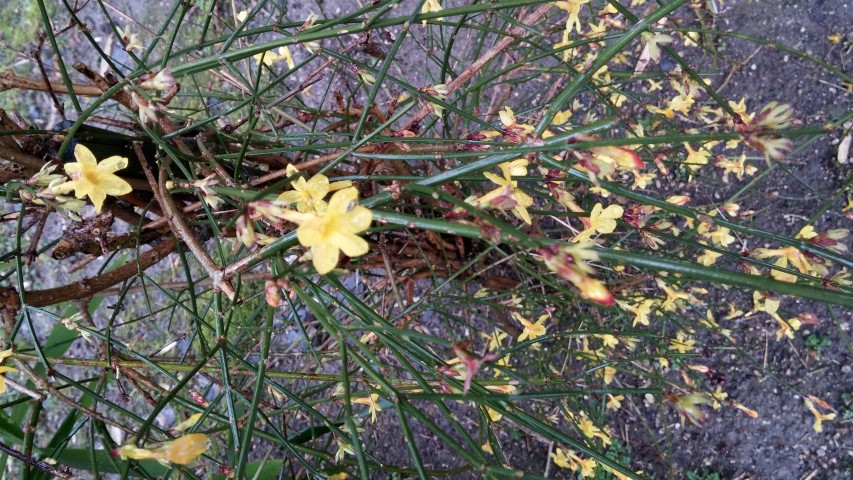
<point>309,195</point>
<point>334,231</point>
<point>371,402</point>
<point>95,180</point>
<point>601,220</point>
<point>531,330</point>
<point>507,196</point>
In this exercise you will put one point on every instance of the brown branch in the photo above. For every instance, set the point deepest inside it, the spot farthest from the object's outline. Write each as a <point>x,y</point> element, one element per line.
<point>59,472</point>
<point>176,221</point>
<point>90,286</point>
<point>9,81</point>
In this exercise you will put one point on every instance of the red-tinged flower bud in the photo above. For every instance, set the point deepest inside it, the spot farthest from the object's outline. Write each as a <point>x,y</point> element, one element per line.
<point>198,399</point>
<point>272,294</point>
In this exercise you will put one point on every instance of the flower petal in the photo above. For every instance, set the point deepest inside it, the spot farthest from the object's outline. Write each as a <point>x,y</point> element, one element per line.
<point>358,220</point>
<point>112,164</point>
<point>114,185</point>
<point>352,245</point>
<point>84,156</point>
<point>311,233</point>
<point>325,257</point>
<point>97,195</point>
<point>291,197</point>
<point>342,200</point>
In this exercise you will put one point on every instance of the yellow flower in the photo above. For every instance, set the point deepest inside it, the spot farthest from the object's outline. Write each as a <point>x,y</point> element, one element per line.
<point>183,450</point>
<point>507,196</point>
<point>591,431</point>
<point>531,330</point>
<point>95,180</point>
<point>641,311</point>
<point>708,258</point>
<point>336,230</point>
<point>601,220</point>
<point>573,8</point>
<point>268,58</point>
<point>430,6</point>
<point>371,403</point>
<point>494,339</point>
<point>309,195</point>
<point>819,417</point>
<point>682,343</point>
<point>3,356</point>
<point>614,402</point>
<point>568,459</point>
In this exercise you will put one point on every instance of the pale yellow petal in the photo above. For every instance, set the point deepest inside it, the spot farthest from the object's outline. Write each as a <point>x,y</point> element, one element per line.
<point>97,195</point>
<point>311,233</point>
<point>495,179</point>
<point>297,217</point>
<point>318,186</point>
<point>73,168</point>
<point>358,220</point>
<point>114,185</point>
<point>325,257</point>
<point>291,197</point>
<point>352,245</point>
<point>613,211</point>
<point>342,201</point>
<point>335,186</point>
<point>84,156</point>
<point>112,164</point>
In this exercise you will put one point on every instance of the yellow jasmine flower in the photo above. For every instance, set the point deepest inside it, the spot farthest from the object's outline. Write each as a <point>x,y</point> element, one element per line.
<point>672,296</point>
<point>640,310</point>
<point>709,258</point>
<point>719,395</point>
<point>591,431</point>
<point>570,262</point>
<point>338,476</point>
<point>183,450</point>
<point>787,254</point>
<point>819,417</point>
<point>614,402</point>
<point>653,41</point>
<point>531,330</point>
<point>430,6</point>
<point>601,220</point>
<point>679,103</point>
<point>371,403</point>
<point>3,369</point>
<point>513,131</point>
<point>786,329</point>
<point>507,196</point>
<point>309,195</point>
<point>269,58</point>
<point>569,460</point>
<point>573,7</point>
<point>688,406</point>
<point>95,180</point>
<point>682,343</point>
<point>336,230</point>
<point>494,339</point>
<point>607,374</point>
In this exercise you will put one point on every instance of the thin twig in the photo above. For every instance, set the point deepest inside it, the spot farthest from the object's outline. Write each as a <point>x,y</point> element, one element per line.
<point>176,221</point>
<point>59,472</point>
